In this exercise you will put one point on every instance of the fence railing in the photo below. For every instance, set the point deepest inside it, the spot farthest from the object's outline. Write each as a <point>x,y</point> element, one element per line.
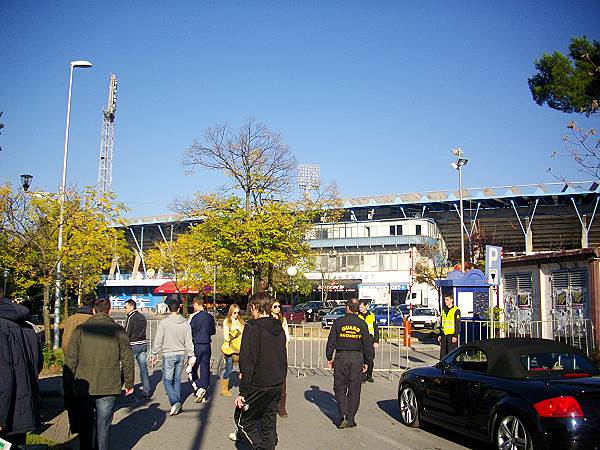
<point>306,350</point>
<point>577,333</point>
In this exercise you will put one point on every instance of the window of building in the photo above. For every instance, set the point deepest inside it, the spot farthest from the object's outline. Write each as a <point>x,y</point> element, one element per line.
<point>395,230</point>
<point>418,230</point>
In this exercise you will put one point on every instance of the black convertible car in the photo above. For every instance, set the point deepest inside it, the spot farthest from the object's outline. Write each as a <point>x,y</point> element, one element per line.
<point>516,393</point>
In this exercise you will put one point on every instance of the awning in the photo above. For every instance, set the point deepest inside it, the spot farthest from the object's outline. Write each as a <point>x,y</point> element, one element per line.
<point>171,288</point>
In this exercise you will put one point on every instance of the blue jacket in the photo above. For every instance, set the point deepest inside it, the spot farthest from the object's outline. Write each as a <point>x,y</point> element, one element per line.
<point>203,327</point>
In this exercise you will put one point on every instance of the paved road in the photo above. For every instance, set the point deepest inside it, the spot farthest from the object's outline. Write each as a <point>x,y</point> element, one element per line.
<point>311,408</point>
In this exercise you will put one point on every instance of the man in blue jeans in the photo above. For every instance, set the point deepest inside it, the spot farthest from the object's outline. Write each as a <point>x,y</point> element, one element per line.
<point>98,353</point>
<point>174,339</point>
<point>135,326</point>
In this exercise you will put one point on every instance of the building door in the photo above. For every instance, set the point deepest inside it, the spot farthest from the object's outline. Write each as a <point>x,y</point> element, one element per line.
<point>518,305</point>
<point>570,306</point>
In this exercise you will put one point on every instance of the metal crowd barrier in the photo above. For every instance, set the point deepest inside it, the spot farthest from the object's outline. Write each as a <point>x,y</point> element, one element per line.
<point>577,332</point>
<point>306,350</point>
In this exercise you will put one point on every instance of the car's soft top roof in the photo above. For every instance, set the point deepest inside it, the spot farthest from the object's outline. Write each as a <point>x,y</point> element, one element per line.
<point>504,354</point>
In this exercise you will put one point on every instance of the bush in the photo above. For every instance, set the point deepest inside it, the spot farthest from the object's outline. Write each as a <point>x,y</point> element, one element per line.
<point>53,359</point>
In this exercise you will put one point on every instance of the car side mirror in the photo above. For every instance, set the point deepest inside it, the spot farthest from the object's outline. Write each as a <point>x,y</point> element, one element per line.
<point>443,366</point>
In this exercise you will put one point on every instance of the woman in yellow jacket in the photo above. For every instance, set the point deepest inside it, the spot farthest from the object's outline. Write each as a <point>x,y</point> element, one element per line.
<point>233,327</point>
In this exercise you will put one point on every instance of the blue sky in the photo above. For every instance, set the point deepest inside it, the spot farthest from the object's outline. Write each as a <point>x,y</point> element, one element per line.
<point>376,93</point>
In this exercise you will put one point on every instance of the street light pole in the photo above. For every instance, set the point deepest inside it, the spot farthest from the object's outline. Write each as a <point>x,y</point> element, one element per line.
<point>5,274</point>
<point>458,165</point>
<point>57,302</point>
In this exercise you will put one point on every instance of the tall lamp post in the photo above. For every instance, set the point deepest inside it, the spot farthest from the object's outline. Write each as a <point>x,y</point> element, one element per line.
<point>73,65</point>
<point>5,275</point>
<point>458,165</point>
<point>292,271</point>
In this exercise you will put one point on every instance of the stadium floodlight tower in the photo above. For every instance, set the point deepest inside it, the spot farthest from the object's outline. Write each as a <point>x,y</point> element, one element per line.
<point>309,178</point>
<point>457,165</point>
<point>108,137</point>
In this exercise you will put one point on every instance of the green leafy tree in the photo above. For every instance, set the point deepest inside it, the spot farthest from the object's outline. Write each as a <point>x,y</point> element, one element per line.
<point>569,83</point>
<point>29,225</point>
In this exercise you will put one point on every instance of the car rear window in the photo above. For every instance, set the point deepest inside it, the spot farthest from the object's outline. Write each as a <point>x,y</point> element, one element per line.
<point>560,364</point>
<point>423,312</point>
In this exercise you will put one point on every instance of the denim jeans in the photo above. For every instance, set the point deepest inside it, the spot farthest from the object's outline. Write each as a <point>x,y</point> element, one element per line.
<point>228,367</point>
<point>140,355</point>
<point>172,368</point>
<point>98,414</point>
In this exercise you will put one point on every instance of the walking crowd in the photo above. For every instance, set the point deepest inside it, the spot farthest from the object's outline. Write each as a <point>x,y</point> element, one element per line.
<point>100,356</point>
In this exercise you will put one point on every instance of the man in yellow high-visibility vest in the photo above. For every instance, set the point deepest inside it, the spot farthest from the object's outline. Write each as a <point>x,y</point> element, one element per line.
<point>449,326</point>
<point>369,318</point>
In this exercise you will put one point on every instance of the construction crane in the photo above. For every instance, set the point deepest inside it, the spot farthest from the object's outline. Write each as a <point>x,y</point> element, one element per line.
<point>107,139</point>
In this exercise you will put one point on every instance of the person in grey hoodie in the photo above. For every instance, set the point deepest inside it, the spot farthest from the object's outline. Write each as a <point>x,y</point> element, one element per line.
<point>174,339</point>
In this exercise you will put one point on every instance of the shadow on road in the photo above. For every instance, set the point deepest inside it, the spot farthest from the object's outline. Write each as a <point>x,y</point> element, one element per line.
<point>325,401</point>
<point>136,425</point>
<point>204,413</point>
<point>390,407</point>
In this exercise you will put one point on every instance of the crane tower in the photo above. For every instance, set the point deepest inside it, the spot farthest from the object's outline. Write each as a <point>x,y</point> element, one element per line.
<point>107,140</point>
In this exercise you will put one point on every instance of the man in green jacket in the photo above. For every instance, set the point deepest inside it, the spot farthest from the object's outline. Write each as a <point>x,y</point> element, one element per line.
<point>99,350</point>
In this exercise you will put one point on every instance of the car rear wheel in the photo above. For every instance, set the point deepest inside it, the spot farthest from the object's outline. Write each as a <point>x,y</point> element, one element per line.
<point>512,434</point>
<point>409,407</point>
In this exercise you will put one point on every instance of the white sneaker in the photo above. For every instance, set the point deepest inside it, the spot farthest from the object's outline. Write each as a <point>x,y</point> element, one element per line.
<point>233,436</point>
<point>175,409</point>
<point>200,395</point>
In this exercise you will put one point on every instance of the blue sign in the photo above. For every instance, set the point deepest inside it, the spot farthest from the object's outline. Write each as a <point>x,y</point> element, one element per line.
<point>493,264</point>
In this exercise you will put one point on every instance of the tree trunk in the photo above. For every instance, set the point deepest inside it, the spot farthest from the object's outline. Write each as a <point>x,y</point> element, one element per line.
<point>66,300</point>
<point>46,307</point>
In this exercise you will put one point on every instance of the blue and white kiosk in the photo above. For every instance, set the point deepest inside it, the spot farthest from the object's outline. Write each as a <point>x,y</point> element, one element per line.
<point>471,294</point>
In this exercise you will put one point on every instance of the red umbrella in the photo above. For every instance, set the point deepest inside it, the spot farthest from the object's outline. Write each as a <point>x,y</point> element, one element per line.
<point>171,288</point>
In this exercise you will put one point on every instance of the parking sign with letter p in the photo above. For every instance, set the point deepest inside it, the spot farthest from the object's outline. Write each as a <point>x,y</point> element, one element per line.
<point>493,264</point>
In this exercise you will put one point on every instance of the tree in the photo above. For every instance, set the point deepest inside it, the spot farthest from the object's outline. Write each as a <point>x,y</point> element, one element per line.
<point>259,162</point>
<point>572,84</point>
<point>569,83</point>
<point>29,225</point>
<point>432,265</point>
<point>583,147</point>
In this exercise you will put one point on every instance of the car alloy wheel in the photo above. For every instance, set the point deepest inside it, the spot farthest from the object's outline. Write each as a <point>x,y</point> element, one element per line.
<point>512,434</point>
<point>409,407</point>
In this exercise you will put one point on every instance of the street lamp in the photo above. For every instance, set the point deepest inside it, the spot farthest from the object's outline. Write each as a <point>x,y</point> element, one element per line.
<point>292,271</point>
<point>83,65</point>
<point>458,165</point>
<point>26,181</point>
<point>5,274</point>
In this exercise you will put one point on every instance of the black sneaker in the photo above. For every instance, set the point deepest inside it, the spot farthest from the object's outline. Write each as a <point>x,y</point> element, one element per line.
<point>352,425</point>
<point>370,380</point>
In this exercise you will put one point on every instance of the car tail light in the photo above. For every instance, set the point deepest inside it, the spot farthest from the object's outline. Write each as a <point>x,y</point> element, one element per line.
<point>559,407</point>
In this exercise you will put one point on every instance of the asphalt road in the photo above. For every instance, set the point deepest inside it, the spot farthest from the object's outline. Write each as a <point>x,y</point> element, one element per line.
<point>311,408</point>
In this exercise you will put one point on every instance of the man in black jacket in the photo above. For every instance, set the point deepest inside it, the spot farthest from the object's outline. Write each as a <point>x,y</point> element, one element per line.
<point>263,367</point>
<point>349,338</point>
<point>135,326</point>
<point>20,364</point>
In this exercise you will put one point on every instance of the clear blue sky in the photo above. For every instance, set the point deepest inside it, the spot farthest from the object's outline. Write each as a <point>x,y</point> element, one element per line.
<point>376,93</point>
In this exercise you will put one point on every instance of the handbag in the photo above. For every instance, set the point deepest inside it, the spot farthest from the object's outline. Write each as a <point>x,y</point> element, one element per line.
<point>226,349</point>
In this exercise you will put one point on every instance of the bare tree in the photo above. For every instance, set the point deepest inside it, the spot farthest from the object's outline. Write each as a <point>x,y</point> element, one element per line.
<point>259,162</point>
<point>431,266</point>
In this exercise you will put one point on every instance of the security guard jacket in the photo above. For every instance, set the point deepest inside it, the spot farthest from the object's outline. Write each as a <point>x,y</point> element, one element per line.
<point>347,334</point>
